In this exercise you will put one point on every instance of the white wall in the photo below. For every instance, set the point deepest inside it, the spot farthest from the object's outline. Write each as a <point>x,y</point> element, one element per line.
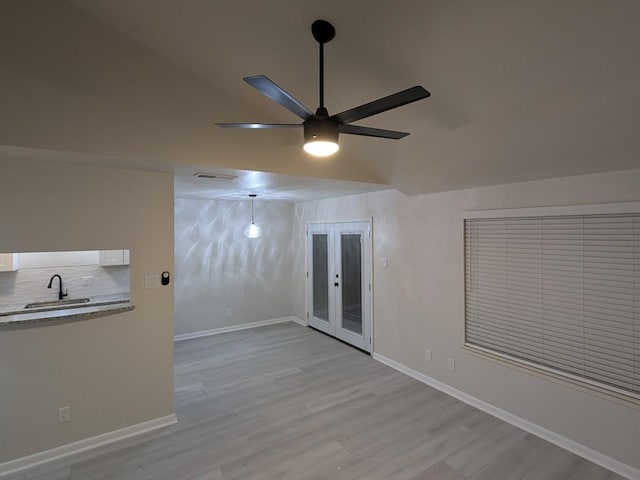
<point>419,299</point>
<point>218,268</point>
<point>113,371</point>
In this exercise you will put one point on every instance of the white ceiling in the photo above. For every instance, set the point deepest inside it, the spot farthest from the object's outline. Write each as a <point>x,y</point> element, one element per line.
<point>268,186</point>
<point>520,90</point>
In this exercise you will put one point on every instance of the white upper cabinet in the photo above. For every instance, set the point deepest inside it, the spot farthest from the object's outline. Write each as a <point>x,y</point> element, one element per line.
<point>8,262</point>
<point>114,257</point>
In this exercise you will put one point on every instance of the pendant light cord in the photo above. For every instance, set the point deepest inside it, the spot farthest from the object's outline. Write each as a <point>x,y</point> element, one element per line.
<point>252,221</point>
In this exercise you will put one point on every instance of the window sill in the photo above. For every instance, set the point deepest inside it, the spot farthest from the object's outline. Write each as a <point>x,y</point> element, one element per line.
<point>621,397</point>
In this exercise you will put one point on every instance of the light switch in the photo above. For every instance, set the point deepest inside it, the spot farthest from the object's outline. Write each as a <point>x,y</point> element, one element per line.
<point>64,414</point>
<point>151,281</point>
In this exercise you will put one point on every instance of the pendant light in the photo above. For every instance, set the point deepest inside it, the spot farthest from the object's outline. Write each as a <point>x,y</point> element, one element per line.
<point>252,230</point>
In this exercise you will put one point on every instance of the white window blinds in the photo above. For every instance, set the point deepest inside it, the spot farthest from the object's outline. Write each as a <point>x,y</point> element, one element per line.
<point>561,291</point>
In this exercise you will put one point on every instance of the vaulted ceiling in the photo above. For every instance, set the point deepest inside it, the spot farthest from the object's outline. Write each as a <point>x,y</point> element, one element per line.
<point>520,90</point>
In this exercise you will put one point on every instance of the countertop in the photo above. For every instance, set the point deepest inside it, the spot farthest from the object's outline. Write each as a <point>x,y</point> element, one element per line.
<point>17,316</point>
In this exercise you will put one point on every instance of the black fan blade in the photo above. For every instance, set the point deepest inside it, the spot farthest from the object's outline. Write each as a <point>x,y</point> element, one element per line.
<point>372,132</point>
<point>259,125</point>
<point>278,95</point>
<point>409,95</point>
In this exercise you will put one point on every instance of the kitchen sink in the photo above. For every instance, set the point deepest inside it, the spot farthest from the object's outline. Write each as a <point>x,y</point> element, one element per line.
<point>57,303</point>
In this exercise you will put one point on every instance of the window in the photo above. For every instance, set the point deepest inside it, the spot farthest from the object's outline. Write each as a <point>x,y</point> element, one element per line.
<point>562,292</point>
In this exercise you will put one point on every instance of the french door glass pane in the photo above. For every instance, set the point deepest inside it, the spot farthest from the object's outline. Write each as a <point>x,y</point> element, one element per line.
<point>351,251</point>
<point>321,276</point>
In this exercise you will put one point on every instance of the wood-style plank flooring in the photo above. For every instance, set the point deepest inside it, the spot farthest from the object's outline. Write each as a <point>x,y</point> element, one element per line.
<point>286,402</point>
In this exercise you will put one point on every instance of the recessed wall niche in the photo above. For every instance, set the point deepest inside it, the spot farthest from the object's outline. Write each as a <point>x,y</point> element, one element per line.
<point>25,277</point>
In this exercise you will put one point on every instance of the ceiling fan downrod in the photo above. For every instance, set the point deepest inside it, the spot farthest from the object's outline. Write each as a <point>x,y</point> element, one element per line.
<point>323,32</point>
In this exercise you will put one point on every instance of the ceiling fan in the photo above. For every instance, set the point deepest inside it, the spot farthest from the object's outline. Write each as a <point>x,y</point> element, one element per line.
<point>321,130</point>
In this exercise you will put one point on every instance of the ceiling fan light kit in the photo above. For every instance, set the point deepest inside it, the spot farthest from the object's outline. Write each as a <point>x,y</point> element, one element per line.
<point>321,131</point>
<point>321,136</point>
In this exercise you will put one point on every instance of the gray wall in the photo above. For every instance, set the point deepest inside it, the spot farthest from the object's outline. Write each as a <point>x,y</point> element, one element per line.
<point>419,299</point>
<point>113,371</point>
<point>218,268</point>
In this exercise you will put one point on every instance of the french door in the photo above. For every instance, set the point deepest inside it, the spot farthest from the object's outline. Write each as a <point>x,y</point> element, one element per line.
<point>339,281</point>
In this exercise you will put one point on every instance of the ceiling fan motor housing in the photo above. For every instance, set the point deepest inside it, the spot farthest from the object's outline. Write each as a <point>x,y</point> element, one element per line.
<point>324,129</point>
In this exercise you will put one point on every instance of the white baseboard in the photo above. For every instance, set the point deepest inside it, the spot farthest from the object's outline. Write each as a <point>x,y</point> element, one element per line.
<point>563,442</point>
<point>299,321</point>
<point>40,458</point>
<point>234,328</point>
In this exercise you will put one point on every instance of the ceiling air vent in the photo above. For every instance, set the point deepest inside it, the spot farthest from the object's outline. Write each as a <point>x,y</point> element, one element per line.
<point>220,176</point>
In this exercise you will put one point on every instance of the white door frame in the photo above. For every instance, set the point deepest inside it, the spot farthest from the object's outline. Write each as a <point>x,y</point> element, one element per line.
<point>365,342</point>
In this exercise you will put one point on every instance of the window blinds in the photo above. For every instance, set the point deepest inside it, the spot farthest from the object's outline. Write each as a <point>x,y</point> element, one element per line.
<point>558,291</point>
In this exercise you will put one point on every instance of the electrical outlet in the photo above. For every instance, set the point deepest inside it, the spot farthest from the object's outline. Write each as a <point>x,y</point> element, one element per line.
<point>64,414</point>
<point>87,281</point>
<point>228,313</point>
<point>427,354</point>
<point>151,281</point>
<point>452,365</point>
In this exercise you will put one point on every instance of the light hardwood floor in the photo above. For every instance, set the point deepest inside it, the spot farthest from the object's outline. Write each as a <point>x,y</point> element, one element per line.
<point>287,402</point>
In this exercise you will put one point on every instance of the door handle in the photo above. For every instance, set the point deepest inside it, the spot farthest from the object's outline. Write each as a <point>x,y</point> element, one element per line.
<point>336,284</point>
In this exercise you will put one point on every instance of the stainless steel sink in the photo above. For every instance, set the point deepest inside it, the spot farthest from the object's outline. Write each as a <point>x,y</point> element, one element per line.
<point>57,303</point>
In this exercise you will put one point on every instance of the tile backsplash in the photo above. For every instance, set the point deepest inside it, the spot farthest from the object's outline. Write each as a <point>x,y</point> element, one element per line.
<point>30,284</point>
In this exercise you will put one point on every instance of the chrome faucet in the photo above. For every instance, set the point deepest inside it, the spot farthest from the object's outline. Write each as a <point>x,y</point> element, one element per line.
<point>60,294</point>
